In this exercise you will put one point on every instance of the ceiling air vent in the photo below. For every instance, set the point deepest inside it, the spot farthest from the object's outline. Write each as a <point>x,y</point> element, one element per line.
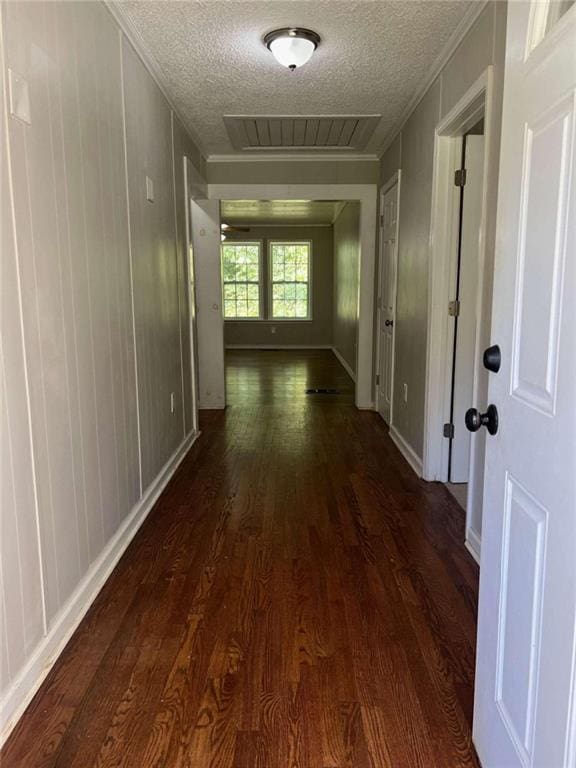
<point>346,132</point>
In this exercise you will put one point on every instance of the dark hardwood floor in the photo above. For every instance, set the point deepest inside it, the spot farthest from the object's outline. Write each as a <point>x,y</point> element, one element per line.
<point>296,599</point>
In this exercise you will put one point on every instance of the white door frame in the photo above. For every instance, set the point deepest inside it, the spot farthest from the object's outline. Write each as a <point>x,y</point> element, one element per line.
<point>189,193</point>
<point>396,178</point>
<point>475,103</point>
<point>367,196</point>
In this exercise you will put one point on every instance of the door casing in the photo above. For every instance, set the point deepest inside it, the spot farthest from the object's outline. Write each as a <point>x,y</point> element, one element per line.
<point>477,102</point>
<point>393,181</point>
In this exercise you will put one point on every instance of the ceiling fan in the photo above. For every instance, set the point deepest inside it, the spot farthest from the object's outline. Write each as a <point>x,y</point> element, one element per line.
<point>227,228</point>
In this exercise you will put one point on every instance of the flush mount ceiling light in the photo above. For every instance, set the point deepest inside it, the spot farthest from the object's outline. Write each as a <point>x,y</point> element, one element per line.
<point>292,46</point>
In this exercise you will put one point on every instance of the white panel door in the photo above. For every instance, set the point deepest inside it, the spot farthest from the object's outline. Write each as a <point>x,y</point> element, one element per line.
<point>387,300</point>
<point>525,678</point>
<point>468,296</point>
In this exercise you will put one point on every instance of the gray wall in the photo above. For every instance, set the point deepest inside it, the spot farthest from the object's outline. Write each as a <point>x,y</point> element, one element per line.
<point>346,266</point>
<point>412,151</point>
<point>86,383</point>
<point>294,172</point>
<point>318,331</point>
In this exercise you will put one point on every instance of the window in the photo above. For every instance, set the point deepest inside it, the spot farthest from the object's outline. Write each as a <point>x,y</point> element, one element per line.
<point>241,279</point>
<point>290,280</point>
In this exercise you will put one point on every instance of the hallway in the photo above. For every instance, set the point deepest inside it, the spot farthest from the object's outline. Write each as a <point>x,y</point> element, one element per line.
<point>297,598</point>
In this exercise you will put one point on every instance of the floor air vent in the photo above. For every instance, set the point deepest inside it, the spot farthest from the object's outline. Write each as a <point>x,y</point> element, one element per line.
<point>322,391</point>
<point>289,133</point>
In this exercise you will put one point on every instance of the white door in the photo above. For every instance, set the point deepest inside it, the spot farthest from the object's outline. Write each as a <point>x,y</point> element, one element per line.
<point>465,323</point>
<point>191,296</point>
<point>387,300</point>
<point>525,706</point>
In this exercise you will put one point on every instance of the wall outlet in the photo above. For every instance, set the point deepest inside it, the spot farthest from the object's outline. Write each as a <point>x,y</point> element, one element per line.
<point>171,402</point>
<point>273,329</point>
<point>405,392</point>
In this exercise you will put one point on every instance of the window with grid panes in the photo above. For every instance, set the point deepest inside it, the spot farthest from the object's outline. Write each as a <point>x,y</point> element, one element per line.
<point>241,275</point>
<point>290,269</point>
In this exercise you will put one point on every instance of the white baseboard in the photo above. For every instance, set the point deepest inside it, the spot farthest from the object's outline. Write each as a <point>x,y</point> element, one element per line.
<point>218,406</point>
<point>407,451</point>
<point>32,675</point>
<point>347,368</point>
<point>473,544</point>
<point>278,346</point>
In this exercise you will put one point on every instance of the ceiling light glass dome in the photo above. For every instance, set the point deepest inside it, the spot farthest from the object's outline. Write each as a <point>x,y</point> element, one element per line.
<point>292,46</point>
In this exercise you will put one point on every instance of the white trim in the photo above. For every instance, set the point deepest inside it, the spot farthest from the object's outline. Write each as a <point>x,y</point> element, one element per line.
<point>395,179</point>
<point>367,196</point>
<point>278,346</point>
<point>344,364</point>
<point>31,676</point>
<point>442,244</point>
<point>151,63</point>
<point>293,156</point>
<point>468,20</point>
<point>406,450</point>
<point>473,544</point>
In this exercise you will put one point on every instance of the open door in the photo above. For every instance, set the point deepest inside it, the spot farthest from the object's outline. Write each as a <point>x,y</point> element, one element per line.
<point>191,294</point>
<point>465,321</point>
<point>387,299</point>
<point>525,707</point>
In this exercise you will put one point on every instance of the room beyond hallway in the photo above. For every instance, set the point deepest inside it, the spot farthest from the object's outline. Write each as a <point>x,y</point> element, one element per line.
<point>296,598</point>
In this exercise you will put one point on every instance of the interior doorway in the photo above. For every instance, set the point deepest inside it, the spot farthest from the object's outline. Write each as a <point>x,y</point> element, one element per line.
<point>460,301</point>
<point>469,178</point>
<point>386,302</point>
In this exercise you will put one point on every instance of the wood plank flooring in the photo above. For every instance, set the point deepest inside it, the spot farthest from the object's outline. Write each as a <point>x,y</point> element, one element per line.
<point>296,599</point>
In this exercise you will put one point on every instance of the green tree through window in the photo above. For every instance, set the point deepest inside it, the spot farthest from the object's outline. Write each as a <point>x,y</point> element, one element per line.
<point>241,280</point>
<point>290,277</point>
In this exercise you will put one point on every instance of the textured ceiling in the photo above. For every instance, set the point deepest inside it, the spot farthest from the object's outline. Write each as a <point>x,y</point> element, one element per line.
<point>373,56</point>
<point>279,211</point>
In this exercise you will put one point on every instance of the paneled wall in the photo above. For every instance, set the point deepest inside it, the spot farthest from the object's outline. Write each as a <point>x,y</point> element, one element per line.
<point>412,150</point>
<point>94,316</point>
<point>346,274</point>
<point>318,330</point>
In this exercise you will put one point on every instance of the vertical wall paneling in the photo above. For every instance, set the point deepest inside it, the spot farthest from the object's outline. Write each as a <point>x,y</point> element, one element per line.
<point>412,150</point>
<point>21,599</point>
<point>346,276</point>
<point>155,274</point>
<point>93,330</point>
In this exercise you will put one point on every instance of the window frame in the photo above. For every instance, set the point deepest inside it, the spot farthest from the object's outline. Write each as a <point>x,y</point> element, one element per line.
<point>309,316</point>
<point>261,279</point>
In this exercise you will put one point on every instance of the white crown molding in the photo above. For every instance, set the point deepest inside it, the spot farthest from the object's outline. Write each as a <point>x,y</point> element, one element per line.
<point>295,156</point>
<point>151,63</point>
<point>446,54</point>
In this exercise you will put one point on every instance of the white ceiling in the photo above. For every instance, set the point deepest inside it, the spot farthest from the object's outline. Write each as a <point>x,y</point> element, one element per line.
<point>259,212</point>
<point>373,57</point>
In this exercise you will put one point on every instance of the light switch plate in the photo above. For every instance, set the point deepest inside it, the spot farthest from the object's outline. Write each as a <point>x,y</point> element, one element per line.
<point>19,97</point>
<point>149,189</point>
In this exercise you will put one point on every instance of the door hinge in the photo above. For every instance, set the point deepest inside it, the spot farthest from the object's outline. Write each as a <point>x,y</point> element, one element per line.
<point>454,308</point>
<point>381,219</point>
<point>377,379</point>
<point>460,177</point>
<point>448,430</point>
